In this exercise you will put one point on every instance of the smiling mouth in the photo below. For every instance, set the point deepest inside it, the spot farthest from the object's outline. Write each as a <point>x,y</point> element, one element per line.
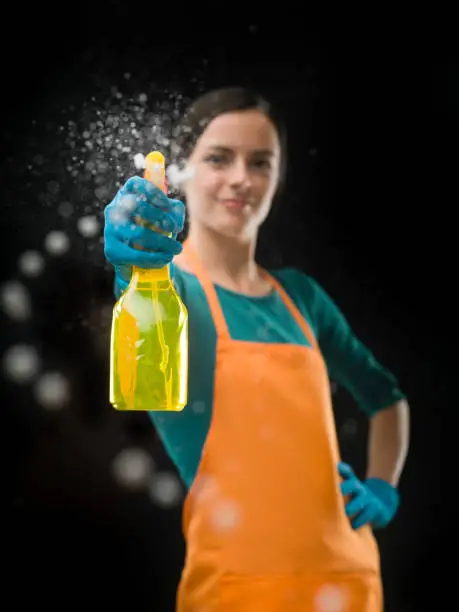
<point>234,204</point>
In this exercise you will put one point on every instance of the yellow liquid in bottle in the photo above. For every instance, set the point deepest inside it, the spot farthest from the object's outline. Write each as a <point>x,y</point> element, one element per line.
<point>149,345</point>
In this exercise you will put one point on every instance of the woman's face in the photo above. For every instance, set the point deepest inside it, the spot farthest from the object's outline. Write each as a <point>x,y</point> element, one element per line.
<point>234,173</point>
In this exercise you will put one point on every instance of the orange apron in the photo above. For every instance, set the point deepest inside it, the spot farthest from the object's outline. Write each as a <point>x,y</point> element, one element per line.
<point>264,519</point>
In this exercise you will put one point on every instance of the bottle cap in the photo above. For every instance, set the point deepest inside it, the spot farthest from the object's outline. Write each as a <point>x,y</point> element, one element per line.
<point>155,170</point>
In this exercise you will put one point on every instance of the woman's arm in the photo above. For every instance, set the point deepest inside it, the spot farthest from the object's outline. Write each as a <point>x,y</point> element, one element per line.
<point>375,389</point>
<point>376,499</point>
<point>349,362</point>
<point>388,442</point>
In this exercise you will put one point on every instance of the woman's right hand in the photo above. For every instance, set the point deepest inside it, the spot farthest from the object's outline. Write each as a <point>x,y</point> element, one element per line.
<point>128,242</point>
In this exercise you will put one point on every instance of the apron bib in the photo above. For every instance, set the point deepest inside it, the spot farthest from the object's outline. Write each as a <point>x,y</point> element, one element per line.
<point>264,520</point>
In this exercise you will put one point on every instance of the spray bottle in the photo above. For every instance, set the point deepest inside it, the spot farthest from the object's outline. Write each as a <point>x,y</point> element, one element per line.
<point>149,337</point>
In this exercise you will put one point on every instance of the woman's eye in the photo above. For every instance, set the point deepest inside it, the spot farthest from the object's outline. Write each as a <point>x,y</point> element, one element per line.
<point>262,163</point>
<point>219,160</point>
<point>215,159</point>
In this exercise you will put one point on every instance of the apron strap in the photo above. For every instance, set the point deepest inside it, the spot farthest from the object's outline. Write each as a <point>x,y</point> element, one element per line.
<point>214,303</point>
<point>291,306</point>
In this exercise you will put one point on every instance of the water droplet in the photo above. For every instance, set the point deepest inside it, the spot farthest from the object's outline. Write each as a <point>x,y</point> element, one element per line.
<point>198,407</point>
<point>15,301</point>
<point>166,489</point>
<point>88,226</point>
<point>52,390</point>
<point>57,243</point>
<point>21,363</point>
<point>225,515</point>
<point>133,468</point>
<point>330,598</point>
<point>31,263</point>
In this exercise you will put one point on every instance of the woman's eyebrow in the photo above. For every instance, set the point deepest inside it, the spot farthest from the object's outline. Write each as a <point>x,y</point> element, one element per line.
<point>223,149</point>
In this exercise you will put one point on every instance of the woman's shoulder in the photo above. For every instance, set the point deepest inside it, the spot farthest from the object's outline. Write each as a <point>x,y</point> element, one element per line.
<point>293,277</point>
<point>301,286</point>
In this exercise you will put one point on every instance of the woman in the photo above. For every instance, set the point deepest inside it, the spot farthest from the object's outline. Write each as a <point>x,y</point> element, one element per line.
<point>273,520</point>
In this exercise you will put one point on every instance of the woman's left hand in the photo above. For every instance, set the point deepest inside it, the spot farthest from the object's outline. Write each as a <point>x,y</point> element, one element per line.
<point>373,501</point>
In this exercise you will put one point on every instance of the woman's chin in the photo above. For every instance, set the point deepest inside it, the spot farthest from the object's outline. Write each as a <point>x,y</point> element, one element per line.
<point>233,226</point>
<point>234,229</point>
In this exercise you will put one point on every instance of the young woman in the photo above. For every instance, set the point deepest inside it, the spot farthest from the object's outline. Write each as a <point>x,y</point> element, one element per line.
<point>273,520</point>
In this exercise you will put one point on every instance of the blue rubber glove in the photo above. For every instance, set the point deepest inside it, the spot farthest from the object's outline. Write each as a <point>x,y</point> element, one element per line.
<point>373,501</point>
<point>139,198</point>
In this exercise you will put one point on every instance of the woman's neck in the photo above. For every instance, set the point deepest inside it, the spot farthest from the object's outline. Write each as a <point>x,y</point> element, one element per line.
<point>228,261</point>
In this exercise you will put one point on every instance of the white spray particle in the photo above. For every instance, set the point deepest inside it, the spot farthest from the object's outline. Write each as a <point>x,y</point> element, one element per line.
<point>127,203</point>
<point>15,301</point>
<point>145,317</point>
<point>31,263</point>
<point>65,209</point>
<point>57,243</point>
<point>52,390</point>
<point>198,407</point>
<point>88,226</point>
<point>330,598</point>
<point>139,161</point>
<point>263,331</point>
<point>225,515</point>
<point>21,363</point>
<point>165,490</point>
<point>102,192</point>
<point>133,468</point>
<point>206,490</point>
<point>178,177</point>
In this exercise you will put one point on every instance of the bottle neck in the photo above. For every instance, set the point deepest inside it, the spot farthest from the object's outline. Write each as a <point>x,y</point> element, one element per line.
<point>142,277</point>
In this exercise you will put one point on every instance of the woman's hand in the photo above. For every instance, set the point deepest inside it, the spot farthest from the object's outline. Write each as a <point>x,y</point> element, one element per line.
<point>373,501</point>
<point>138,206</point>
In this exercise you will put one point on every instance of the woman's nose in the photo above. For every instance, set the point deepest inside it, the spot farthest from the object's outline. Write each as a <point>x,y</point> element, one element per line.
<point>239,174</point>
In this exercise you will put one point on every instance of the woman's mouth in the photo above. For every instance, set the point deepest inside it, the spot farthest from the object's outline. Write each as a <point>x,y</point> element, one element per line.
<point>234,203</point>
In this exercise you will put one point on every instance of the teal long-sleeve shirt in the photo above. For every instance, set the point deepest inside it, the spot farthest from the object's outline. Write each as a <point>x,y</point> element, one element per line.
<point>266,320</point>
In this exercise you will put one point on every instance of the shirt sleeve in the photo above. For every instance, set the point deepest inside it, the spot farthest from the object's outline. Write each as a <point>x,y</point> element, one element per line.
<point>349,362</point>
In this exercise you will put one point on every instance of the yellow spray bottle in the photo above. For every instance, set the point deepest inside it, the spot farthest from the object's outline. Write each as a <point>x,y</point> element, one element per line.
<point>149,337</point>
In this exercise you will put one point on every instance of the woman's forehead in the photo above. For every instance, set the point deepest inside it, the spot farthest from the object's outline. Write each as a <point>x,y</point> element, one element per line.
<point>250,130</point>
